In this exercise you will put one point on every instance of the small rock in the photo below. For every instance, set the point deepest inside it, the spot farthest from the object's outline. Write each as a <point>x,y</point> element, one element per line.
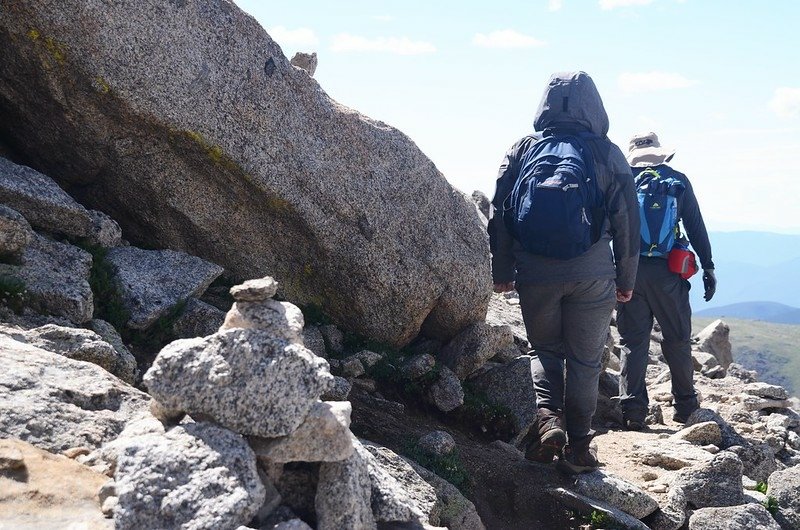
<point>334,338</point>
<point>766,390</point>
<point>352,367</point>
<point>314,341</point>
<point>105,232</point>
<point>471,348</point>
<point>339,391</point>
<point>257,290</point>
<point>282,320</point>
<point>417,366</point>
<point>367,385</point>
<point>108,506</point>
<point>15,233</point>
<point>368,358</point>
<point>715,339</point>
<point>437,443</point>
<point>305,61</point>
<point>655,415</point>
<point>75,452</point>
<point>10,457</point>
<point>729,435</point>
<point>738,371</point>
<point>616,492</point>
<point>714,483</point>
<point>704,433</point>
<point>198,319</point>
<point>446,393</point>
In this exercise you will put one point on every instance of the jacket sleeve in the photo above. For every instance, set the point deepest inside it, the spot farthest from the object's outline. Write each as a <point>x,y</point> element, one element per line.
<point>500,241</point>
<point>695,227</point>
<point>623,214</point>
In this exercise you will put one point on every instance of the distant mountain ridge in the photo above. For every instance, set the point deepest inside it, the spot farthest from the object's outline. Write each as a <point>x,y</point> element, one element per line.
<point>751,267</point>
<point>764,311</point>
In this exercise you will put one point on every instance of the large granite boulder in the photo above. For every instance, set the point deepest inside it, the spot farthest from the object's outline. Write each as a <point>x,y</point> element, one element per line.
<point>41,201</point>
<point>15,234</point>
<point>195,475</point>
<point>268,176</point>
<point>784,486</point>
<point>743,517</point>
<point>56,277</point>
<point>715,339</point>
<point>56,403</point>
<point>152,282</point>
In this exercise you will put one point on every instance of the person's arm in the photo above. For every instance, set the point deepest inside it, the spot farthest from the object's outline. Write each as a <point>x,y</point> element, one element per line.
<point>695,227</point>
<point>500,241</point>
<point>623,214</point>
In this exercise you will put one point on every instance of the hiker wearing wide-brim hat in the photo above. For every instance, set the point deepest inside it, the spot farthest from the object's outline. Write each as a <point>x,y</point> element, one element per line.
<point>666,198</point>
<point>645,150</point>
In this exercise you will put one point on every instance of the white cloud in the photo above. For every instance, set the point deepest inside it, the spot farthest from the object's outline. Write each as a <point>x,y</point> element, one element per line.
<point>652,81</point>
<point>555,5</point>
<point>506,38</point>
<point>612,4</point>
<point>293,37</point>
<point>786,102</point>
<point>344,42</point>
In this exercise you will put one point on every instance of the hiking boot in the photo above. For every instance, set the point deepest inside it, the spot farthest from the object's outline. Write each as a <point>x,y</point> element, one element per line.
<point>682,418</point>
<point>579,457</point>
<point>551,437</point>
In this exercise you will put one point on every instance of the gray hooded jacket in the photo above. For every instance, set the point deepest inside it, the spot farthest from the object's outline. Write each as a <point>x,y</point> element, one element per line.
<point>571,102</point>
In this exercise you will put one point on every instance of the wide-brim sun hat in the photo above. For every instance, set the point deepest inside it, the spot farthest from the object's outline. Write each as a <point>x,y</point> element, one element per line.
<point>645,150</point>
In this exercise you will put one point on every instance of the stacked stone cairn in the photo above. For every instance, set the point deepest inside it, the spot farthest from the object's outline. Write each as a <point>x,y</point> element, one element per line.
<point>258,446</point>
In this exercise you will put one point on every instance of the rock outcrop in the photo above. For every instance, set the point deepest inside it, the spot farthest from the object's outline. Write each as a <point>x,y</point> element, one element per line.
<point>269,176</point>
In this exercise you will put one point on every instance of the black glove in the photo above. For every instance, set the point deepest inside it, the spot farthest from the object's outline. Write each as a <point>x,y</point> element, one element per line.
<point>710,284</point>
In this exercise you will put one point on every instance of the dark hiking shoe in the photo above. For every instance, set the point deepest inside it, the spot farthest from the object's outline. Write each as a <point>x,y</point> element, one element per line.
<point>682,418</point>
<point>551,437</point>
<point>580,457</point>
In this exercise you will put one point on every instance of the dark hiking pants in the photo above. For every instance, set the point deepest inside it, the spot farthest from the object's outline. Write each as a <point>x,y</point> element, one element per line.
<point>664,295</point>
<point>567,325</point>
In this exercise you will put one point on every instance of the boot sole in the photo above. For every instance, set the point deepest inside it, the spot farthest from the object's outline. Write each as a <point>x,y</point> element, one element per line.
<point>550,445</point>
<point>570,468</point>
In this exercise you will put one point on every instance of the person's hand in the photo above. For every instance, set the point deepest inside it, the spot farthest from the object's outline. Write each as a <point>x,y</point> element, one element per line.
<point>503,287</point>
<point>624,295</point>
<point>710,284</point>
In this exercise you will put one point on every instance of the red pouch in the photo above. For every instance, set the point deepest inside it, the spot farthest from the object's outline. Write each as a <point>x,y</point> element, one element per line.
<point>681,261</point>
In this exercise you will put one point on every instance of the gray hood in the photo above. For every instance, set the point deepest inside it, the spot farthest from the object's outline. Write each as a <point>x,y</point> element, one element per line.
<point>572,98</point>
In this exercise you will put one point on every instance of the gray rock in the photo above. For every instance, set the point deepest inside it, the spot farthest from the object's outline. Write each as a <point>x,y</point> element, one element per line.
<point>616,492</point>
<point>41,201</point>
<point>783,487</point>
<point>292,524</point>
<point>503,313</point>
<point>56,403</point>
<point>297,485</point>
<point>255,290</point>
<point>56,279</point>
<point>306,61</point>
<point>314,341</point>
<point>334,338</point>
<point>744,517</point>
<point>105,231</point>
<point>198,319</point>
<point>715,339</point>
<point>703,361</point>
<point>758,460</point>
<point>339,390</point>
<point>511,386</point>
<point>152,282</point>
<point>704,433</point>
<point>324,436</point>
<point>352,367</point>
<point>437,443</point>
<point>10,457</point>
<point>715,483</point>
<point>446,393</point>
<point>587,506</point>
<point>281,319</point>
<point>15,233</point>
<point>399,493</point>
<point>729,435</point>
<point>84,345</point>
<point>754,404</point>
<point>243,379</point>
<point>193,476</point>
<point>344,495</point>
<point>766,390</point>
<point>475,345</point>
<point>482,202</point>
<point>738,371</point>
<point>127,367</point>
<point>669,454</point>
<point>417,366</point>
<point>456,512</point>
<point>368,358</point>
<point>655,414</point>
<point>387,246</point>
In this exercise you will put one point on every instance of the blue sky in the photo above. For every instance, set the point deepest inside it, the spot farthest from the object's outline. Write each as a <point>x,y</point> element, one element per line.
<point>717,80</point>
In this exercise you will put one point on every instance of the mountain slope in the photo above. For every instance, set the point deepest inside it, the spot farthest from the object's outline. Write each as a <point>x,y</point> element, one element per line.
<point>766,311</point>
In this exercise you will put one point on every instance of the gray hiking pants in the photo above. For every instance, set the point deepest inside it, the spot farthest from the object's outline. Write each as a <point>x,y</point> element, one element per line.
<point>567,325</point>
<point>665,295</point>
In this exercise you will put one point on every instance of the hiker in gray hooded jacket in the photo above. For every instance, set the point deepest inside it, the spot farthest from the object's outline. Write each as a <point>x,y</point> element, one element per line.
<point>567,303</point>
<point>664,295</point>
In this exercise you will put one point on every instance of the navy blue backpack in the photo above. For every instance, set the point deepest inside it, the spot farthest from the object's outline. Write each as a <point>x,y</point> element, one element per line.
<point>658,193</point>
<point>556,207</point>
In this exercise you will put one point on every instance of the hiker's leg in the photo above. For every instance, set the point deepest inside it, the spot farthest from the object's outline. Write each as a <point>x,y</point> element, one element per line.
<point>674,315</point>
<point>541,311</point>
<point>587,315</point>
<point>635,324</point>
